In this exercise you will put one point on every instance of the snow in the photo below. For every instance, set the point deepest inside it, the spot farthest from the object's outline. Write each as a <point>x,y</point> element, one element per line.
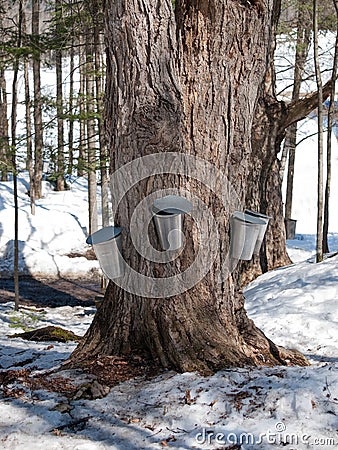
<point>58,228</point>
<point>259,407</point>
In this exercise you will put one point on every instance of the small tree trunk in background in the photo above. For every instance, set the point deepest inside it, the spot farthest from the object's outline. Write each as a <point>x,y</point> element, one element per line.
<point>91,136</point>
<point>60,182</point>
<point>82,111</point>
<point>302,50</point>
<point>329,142</point>
<point>4,140</point>
<point>38,130</point>
<point>5,157</point>
<point>71,111</point>
<point>28,120</point>
<point>290,145</point>
<point>103,147</point>
<point>15,175</point>
<point>319,245</point>
<point>4,143</point>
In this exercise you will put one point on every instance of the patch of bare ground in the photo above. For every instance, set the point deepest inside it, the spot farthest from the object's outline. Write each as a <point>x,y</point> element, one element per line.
<point>93,380</point>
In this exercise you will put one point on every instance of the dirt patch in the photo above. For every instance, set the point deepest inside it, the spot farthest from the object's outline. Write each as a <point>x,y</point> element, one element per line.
<point>76,383</point>
<point>45,292</point>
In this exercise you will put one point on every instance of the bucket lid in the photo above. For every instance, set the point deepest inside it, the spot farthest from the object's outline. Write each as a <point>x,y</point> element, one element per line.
<point>243,217</point>
<point>257,214</point>
<point>172,204</point>
<point>103,235</point>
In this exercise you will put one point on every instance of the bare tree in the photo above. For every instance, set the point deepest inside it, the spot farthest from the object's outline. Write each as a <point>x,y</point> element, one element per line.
<point>5,159</point>
<point>29,131</point>
<point>82,110</point>
<point>60,183</point>
<point>71,108</point>
<point>37,106</point>
<point>4,139</point>
<point>91,134</point>
<point>105,208</point>
<point>13,149</point>
<point>319,244</point>
<point>302,48</point>
<point>330,114</point>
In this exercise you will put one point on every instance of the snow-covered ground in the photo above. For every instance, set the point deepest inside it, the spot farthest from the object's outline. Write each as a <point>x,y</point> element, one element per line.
<point>58,228</point>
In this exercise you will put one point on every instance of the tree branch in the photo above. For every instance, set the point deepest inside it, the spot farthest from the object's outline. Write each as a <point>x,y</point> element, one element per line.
<point>299,109</point>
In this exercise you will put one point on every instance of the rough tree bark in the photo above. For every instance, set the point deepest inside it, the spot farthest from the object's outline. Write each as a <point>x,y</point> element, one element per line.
<point>187,82</point>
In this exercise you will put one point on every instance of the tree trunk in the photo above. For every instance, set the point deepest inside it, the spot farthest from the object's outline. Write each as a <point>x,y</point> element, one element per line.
<point>290,144</point>
<point>5,159</point>
<point>71,110</point>
<point>28,120</point>
<point>38,129</point>
<point>302,48</point>
<point>105,207</point>
<point>319,244</point>
<point>91,135</point>
<point>181,94</point>
<point>81,105</point>
<point>4,139</point>
<point>329,142</point>
<point>60,180</point>
<point>14,165</point>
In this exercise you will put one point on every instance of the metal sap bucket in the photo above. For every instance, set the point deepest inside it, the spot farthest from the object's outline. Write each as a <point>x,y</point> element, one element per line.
<point>168,215</point>
<point>262,230</point>
<point>244,230</point>
<point>290,228</point>
<point>108,250</point>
